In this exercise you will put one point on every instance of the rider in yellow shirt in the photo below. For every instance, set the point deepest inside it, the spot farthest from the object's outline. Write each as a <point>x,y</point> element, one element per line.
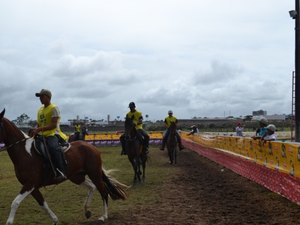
<point>138,121</point>
<point>48,119</point>
<point>77,131</point>
<point>168,120</point>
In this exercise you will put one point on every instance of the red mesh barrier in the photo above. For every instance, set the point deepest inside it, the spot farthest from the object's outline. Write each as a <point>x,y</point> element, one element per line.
<point>278,182</point>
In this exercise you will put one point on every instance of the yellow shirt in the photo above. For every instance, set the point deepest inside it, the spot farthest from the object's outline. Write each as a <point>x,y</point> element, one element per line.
<point>77,128</point>
<point>137,118</point>
<point>169,120</point>
<point>44,118</point>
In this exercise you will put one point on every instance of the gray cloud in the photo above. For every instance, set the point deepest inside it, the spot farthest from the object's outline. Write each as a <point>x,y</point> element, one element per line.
<point>189,56</point>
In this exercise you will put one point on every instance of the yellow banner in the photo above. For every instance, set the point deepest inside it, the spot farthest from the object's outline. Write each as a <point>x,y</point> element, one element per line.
<point>282,156</point>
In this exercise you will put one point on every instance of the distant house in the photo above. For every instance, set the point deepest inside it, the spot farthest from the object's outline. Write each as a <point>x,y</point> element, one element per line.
<point>276,117</point>
<point>259,113</point>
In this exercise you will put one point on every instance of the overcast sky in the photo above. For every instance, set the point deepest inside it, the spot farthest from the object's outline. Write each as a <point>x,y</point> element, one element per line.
<point>197,57</point>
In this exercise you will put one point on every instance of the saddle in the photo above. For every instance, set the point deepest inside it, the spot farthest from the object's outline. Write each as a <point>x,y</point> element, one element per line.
<point>41,148</point>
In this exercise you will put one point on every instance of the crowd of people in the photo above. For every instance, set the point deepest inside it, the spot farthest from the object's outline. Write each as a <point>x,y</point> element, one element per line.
<point>265,131</point>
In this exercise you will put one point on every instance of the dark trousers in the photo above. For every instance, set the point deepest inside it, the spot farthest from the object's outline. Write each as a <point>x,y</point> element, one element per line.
<point>77,135</point>
<point>55,152</point>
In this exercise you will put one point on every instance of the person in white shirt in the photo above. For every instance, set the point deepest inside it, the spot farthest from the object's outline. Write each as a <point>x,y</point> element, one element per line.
<point>239,130</point>
<point>270,135</point>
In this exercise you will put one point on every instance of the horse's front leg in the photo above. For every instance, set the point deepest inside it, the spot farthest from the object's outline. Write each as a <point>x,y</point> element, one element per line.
<point>16,203</point>
<point>37,195</point>
<point>132,161</point>
<point>138,167</point>
<point>170,155</point>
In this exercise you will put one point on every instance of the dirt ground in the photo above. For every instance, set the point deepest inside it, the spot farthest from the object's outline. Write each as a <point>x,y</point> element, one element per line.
<point>203,193</point>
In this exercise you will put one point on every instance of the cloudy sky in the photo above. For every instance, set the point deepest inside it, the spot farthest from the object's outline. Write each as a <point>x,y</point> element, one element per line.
<point>197,57</point>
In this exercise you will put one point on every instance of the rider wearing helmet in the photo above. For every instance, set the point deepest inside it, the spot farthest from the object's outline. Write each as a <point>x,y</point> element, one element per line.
<point>194,130</point>
<point>168,120</point>
<point>138,121</point>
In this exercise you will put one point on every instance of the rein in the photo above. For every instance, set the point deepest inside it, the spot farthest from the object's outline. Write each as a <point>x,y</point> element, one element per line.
<point>11,145</point>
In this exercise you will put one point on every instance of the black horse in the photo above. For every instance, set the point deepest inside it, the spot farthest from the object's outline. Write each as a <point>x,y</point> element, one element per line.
<point>135,150</point>
<point>172,143</point>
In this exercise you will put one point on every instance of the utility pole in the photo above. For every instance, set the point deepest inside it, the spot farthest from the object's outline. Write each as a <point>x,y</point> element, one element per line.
<point>295,14</point>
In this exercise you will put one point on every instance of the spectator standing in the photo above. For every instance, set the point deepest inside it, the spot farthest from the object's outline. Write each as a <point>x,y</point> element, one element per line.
<point>239,130</point>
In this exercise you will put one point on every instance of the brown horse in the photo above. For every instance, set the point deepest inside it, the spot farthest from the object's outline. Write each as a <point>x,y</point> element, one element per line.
<point>135,152</point>
<point>172,143</point>
<point>82,159</point>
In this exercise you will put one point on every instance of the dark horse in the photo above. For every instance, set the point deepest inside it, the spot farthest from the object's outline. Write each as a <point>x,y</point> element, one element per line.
<point>172,143</point>
<point>73,137</point>
<point>82,159</point>
<point>135,150</point>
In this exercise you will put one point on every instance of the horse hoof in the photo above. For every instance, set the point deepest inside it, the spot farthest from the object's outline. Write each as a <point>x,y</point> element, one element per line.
<point>88,214</point>
<point>102,218</point>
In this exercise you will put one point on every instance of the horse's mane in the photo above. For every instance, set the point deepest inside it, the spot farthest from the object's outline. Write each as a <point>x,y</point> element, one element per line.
<point>173,126</point>
<point>14,126</point>
<point>129,124</point>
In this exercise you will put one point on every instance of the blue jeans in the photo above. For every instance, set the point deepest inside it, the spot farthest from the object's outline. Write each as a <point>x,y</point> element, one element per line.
<point>55,153</point>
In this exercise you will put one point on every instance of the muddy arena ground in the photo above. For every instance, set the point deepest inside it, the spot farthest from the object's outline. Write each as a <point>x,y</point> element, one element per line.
<point>205,193</point>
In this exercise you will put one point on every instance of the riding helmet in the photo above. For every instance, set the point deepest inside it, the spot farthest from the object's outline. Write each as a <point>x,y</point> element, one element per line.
<point>131,105</point>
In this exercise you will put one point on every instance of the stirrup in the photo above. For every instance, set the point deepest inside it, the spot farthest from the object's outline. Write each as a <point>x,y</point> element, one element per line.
<point>123,152</point>
<point>61,174</point>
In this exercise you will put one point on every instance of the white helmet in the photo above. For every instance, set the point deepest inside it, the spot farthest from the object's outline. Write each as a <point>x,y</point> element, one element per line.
<point>170,112</point>
<point>271,127</point>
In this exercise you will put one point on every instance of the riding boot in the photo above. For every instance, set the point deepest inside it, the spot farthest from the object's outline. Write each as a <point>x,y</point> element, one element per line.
<point>60,164</point>
<point>146,147</point>
<point>180,145</point>
<point>162,145</point>
<point>123,152</point>
<point>179,142</point>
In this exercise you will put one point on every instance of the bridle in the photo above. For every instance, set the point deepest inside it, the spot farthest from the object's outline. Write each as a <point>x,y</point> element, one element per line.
<point>11,145</point>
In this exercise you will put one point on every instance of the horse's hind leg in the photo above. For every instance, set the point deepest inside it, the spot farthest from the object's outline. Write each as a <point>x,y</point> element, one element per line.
<point>99,184</point>
<point>88,184</point>
<point>144,170</point>
<point>40,199</point>
<point>175,155</point>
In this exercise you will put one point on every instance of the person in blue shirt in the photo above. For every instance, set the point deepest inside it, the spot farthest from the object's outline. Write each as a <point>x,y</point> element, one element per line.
<point>261,131</point>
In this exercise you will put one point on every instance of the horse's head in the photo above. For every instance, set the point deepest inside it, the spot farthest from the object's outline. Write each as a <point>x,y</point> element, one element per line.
<point>1,126</point>
<point>129,127</point>
<point>172,126</point>
<point>9,132</point>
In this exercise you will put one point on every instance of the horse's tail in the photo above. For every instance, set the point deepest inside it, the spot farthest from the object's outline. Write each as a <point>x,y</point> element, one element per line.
<point>114,188</point>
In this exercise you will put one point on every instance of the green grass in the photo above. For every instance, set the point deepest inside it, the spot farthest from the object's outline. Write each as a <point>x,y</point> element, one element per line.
<point>67,199</point>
